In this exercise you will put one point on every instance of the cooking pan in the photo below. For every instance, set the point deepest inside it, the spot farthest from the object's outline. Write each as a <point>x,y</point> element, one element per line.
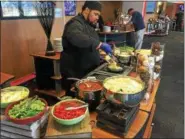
<point>114,70</point>
<point>128,100</point>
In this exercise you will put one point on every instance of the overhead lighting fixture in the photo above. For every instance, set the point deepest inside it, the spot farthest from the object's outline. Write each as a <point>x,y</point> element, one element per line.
<point>159,3</point>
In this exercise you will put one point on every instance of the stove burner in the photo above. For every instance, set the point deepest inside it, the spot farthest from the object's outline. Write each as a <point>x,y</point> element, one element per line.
<point>102,72</point>
<point>115,118</point>
<point>104,68</point>
<point>121,115</point>
<point>99,75</point>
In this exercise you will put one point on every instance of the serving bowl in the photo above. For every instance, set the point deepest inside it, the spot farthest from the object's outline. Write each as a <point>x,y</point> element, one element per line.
<point>28,120</point>
<point>126,99</point>
<point>15,92</point>
<point>68,121</point>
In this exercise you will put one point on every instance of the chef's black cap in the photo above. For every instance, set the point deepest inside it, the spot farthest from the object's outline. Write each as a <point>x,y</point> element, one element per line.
<point>93,5</point>
<point>129,10</point>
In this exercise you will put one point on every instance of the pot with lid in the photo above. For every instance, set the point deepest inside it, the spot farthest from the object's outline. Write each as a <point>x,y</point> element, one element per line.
<point>124,90</point>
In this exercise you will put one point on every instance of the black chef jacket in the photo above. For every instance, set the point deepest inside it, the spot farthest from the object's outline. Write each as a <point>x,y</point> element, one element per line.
<point>79,42</point>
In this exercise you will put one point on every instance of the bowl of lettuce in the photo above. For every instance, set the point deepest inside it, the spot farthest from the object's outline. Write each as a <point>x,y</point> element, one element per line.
<point>26,111</point>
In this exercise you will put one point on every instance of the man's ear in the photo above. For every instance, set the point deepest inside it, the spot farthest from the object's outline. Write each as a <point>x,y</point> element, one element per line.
<point>87,10</point>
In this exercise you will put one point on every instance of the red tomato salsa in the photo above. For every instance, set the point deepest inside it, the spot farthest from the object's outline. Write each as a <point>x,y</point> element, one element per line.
<point>90,86</point>
<point>60,112</point>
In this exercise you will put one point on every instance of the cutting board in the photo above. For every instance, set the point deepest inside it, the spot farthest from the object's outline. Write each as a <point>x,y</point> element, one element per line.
<point>80,130</point>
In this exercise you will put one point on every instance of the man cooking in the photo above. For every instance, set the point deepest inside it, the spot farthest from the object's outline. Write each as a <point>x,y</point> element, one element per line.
<point>81,45</point>
<point>139,26</point>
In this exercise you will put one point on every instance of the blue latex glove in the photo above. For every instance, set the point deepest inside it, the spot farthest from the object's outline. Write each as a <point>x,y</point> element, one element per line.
<point>107,48</point>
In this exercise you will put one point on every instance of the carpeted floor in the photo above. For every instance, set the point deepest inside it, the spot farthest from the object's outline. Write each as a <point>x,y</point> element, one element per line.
<point>169,116</point>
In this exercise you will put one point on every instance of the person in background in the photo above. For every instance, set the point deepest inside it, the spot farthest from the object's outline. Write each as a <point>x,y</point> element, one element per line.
<point>81,45</point>
<point>139,26</point>
<point>167,21</point>
<point>179,20</point>
<point>174,23</point>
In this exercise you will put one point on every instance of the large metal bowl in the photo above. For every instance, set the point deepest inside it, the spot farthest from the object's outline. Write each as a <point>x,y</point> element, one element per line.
<point>128,100</point>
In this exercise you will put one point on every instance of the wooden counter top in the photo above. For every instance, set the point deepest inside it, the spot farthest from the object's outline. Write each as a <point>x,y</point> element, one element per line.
<point>148,130</point>
<point>52,93</point>
<point>42,55</point>
<point>5,77</point>
<point>147,106</point>
<point>136,126</point>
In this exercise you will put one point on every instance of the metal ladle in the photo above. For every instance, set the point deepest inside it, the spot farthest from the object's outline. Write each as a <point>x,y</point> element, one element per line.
<point>76,79</point>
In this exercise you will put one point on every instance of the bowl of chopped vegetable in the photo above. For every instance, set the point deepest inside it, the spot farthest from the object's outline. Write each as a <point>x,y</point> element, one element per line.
<point>69,117</point>
<point>26,111</point>
<point>13,94</point>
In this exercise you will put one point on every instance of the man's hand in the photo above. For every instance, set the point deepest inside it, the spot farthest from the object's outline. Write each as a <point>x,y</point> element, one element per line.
<point>105,47</point>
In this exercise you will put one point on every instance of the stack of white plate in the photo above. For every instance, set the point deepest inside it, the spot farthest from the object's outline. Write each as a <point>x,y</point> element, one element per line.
<point>57,45</point>
<point>106,29</point>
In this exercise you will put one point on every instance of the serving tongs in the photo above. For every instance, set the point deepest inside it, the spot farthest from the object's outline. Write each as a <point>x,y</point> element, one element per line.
<point>110,59</point>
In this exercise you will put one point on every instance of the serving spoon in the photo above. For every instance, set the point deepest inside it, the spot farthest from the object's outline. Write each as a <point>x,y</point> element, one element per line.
<point>74,108</point>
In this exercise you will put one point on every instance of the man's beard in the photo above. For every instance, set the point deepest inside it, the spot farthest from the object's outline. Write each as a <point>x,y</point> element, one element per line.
<point>90,23</point>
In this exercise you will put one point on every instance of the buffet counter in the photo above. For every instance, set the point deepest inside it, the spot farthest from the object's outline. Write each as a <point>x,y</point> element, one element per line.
<point>125,37</point>
<point>112,111</point>
<point>142,124</point>
<point>141,127</point>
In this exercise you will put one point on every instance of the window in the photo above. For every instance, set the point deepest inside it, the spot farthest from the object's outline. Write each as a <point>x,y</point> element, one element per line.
<point>10,9</point>
<point>181,7</point>
<point>150,7</point>
<point>18,9</point>
<point>28,8</point>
